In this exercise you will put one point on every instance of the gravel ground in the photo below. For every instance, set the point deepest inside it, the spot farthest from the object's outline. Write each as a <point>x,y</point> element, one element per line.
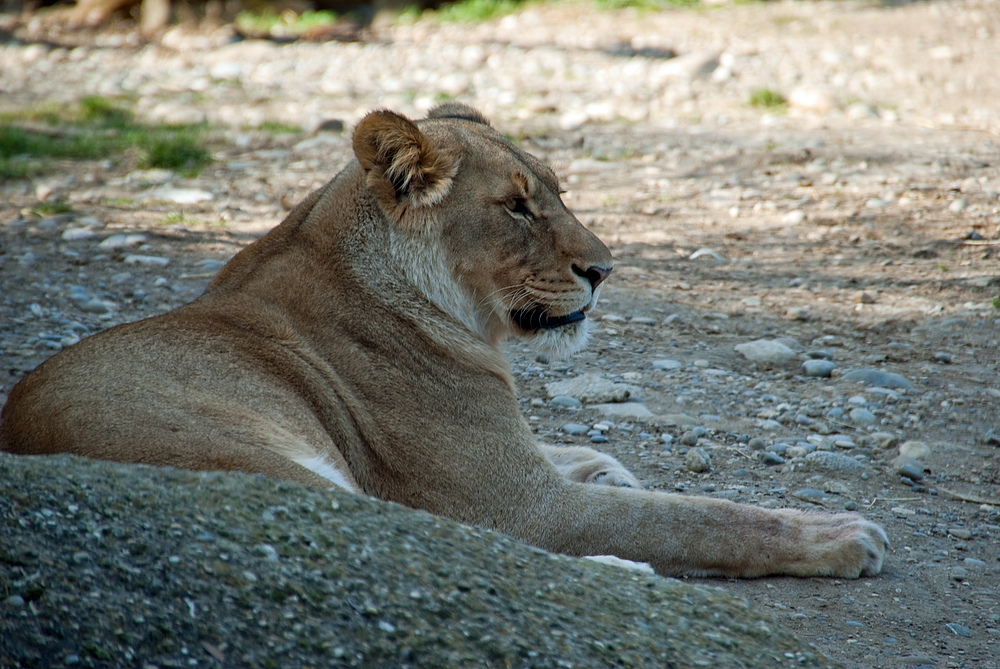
<point>859,228</point>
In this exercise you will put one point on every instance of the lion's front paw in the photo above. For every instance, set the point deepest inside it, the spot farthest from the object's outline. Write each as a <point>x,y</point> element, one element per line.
<point>614,477</point>
<point>843,545</point>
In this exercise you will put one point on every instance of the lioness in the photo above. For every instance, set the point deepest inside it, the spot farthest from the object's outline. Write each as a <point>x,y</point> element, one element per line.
<point>356,345</point>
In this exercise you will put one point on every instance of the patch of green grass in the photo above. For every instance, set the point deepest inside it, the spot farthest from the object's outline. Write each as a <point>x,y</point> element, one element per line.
<point>102,111</point>
<point>178,218</point>
<point>52,208</point>
<point>286,24</point>
<point>995,303</point>
<point>117,201</point>
<point>644,5</point>
<point>476,11</point>
<point>410,15</point>
<point>278,128</point>
<point>767,98</point>
<point>95,128</point>
<point>180,150</point>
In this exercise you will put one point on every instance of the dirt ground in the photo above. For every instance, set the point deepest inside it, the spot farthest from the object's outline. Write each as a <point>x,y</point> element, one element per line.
<point>872,242</point>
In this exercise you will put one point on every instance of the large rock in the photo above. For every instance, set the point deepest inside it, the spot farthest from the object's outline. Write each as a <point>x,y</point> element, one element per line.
<point>766,352</point>
<point>592,389</point>
<point>107,565</point>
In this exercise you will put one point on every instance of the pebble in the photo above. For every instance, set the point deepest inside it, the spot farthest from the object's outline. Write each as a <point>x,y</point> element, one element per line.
<point>757,443</point>
<point>794,217</point>
<point>566,402</point>
<point>960,533</point>
<point>916,450</point>
<point>690,66</point>
<point>862,416</point>
<point>667,364</point>
<point>815,100</point>
<point>884,440</point>
<point>768,458</point>
<point>121,241</point>
<point>818,368</point>
<point>267,551</point>
<point>820,354</point>
<point>943,358</point>
<point>177,195</point>
<point>15,600</point>
<point>76,234</point>
<point>574,429</point>
<point>91,306</point>
<point>797,314</point>
<point>147,261</point>
<point>876,377</point>
<point>831,462</point>
<point>765,351</point>
<point>910,468</point>
<point>624,409</point>
<point>813,496</point>
<point>697,461</point>
<point>959,630</point>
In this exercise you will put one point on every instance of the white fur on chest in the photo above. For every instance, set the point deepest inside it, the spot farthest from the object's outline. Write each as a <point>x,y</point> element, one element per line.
<point>322,466</point>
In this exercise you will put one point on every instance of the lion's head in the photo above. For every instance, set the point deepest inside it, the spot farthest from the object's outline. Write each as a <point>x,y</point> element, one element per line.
<point>480,228</point>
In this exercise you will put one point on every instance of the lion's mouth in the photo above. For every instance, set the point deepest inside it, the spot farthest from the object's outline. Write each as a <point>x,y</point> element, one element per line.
<point>528,319</point>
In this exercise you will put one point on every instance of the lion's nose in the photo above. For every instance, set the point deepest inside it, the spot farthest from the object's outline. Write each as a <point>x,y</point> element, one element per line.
<point>595,274</point>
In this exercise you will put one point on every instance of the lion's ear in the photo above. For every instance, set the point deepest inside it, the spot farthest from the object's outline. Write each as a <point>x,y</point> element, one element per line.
<point>404,168</point>
<point>460,111</point>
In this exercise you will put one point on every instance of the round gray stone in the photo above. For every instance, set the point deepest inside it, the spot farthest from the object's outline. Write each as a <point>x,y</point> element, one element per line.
<point>831,462</point>
<point>876,377</point>
<point>960,630</point>
<point>818,368</point>
<point>566,402</point>
<point>862,416</point>
<point>697,461</point>
<point>575,429</point>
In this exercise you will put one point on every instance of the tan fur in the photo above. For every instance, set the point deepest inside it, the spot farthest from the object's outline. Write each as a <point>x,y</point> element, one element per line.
<point>357,344</point>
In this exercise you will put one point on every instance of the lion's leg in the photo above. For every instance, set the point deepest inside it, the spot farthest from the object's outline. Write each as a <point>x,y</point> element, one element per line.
<point>585,465</point>
<point>700,536</point>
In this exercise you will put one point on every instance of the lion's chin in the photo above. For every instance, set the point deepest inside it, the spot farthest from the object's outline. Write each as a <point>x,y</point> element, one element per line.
<point>560,342</point>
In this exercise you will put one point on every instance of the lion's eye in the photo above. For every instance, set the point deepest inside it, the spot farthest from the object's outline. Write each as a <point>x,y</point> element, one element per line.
<point>519,207</point>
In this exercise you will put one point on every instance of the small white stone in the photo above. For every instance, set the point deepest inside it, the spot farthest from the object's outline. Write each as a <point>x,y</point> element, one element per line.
<point>122,241</point>
<point>794,217</point>
<point>75,234</point>
<point>148,261</point>
<point>917,450</point>
<point>813,100</point>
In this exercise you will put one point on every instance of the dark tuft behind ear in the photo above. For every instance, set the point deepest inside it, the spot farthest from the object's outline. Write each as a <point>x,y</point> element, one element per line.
<point>404,168</point>
<point>459,111</point>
